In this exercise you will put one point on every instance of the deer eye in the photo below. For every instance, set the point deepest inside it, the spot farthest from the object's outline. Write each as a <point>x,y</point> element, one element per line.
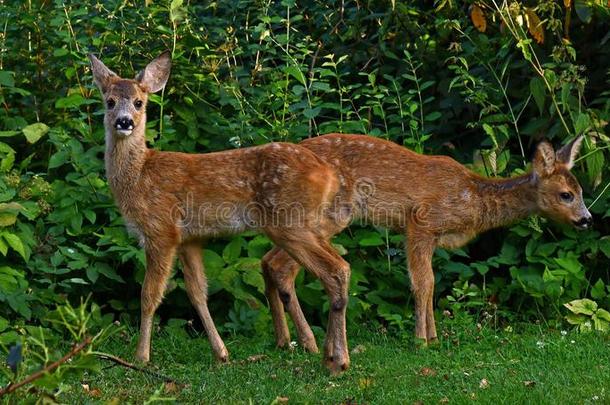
<point>566,196</point>
<point>138,104</point>
<point>110,103</point>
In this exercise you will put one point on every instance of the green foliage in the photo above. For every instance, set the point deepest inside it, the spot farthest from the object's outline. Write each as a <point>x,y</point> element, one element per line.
<point>587,316</point>
<point>249,72</point>
<point>32,348</point>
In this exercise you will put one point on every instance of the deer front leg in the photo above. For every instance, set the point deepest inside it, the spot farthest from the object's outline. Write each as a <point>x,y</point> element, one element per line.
<point>280,271</point>
<point>159,260</point>
<point>419,254</point>
<point>197,290</point>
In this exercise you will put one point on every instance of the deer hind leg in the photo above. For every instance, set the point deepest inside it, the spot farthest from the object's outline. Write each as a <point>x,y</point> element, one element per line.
<point>318,256</point>
<point>197,290</point>
<point>281,272</point>
<point>430,322</point>
<point>159,260</point>
<point>282,334</point>
<point>420,252</point>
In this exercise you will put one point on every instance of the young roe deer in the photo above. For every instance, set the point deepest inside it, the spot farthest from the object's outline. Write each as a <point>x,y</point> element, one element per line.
<point>174,201</point>
<point>435,201</point>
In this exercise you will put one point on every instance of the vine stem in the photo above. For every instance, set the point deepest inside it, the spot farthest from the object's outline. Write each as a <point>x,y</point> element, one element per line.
<point>32,377</point>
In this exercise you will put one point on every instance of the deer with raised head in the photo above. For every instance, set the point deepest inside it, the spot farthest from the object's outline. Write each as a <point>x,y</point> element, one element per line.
<point>435,201</point>
<point>175,201</point>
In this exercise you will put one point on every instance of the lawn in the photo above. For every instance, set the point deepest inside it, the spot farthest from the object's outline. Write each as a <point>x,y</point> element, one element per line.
<point>519,364</point>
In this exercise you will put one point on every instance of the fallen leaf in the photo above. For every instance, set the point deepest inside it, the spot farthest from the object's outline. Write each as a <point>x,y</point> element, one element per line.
<point>95,392</point>
<point>427,372</point>
<point>256,357</point>
<point>171,387</point>
<point>364,383</point>
<point>280,400</point>
<point>478,18</point>
<point>358,349</point>
<point>484,384</point>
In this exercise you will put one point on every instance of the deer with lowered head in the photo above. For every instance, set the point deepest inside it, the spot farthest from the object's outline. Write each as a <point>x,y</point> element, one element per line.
<point>175,201</point>
<point>435,201</point>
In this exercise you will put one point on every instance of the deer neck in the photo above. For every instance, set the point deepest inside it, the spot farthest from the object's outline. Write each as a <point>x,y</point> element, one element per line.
<point>505,201</point>
<point>124,158</point>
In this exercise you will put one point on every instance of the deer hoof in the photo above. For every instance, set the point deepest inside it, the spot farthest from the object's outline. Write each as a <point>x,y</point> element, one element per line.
<point>420,343</point>
<point>222,356</point>
<point>310,346</point>
<point>336,366</point>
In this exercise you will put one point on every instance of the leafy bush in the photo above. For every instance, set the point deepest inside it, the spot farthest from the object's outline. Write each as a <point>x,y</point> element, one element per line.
<point>249,72</point>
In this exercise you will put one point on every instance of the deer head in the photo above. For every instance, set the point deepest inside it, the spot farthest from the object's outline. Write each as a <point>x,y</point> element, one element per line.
<point>125,99</point>
<point>559,194</point>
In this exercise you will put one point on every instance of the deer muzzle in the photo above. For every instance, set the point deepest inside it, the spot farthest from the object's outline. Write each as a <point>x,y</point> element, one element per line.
<point>124,126</point>
<point>584,222</point>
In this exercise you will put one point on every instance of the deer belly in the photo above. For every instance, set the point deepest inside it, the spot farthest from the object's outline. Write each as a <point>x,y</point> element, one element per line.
<point>215,220</point>
<point>454,240</point>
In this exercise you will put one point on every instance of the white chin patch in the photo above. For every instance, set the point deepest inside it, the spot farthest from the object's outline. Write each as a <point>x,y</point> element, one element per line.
<point>124,132</point>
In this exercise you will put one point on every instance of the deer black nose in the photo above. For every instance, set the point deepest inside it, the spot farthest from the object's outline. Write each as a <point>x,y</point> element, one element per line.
<point>124,123</point>
<point>584,222</point>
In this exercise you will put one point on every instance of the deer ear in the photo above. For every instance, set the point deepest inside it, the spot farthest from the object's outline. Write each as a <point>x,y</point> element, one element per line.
<point>155,74</point>
<point>101,74</point>
<point>544,159</point>
<point>568,153</point>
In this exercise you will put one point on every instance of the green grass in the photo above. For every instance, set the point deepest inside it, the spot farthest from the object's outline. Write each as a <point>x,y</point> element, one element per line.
<point>529,365</point>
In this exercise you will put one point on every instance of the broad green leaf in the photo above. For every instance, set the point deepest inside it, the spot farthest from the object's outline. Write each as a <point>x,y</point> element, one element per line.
<point>550,77</point>
<point>603,314</point>
<point>310,113</point>
<point>232,250</point>
<point>212,260</point>
<point>371,239</point>
<point>583,306</point>
<point>598,291</point>
<point>8,213</point>
<point>73,100</point>
<point>15,243</point>
<point>570,264</point>
<point>537,88</point>
<point>92,274</point>
<point>575,319</point>
<point>35,131</point>
<point>582,123</point>
<point>595,163</point>
<point>7,78</point>
<point>3,247</point>
<point>255,279</point>
<point>296,73</point>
